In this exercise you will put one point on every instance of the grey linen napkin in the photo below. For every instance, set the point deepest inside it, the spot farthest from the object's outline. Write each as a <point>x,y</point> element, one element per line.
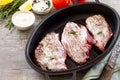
<point>96,70</point>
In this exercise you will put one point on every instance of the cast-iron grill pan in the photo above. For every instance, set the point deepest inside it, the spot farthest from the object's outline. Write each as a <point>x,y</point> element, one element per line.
<point>56,22</point>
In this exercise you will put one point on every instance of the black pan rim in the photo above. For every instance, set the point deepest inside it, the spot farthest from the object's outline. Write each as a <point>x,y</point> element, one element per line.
<point>30,62</point>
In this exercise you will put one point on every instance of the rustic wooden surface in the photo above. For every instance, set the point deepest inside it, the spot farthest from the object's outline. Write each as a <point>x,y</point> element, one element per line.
<point>13,65</point>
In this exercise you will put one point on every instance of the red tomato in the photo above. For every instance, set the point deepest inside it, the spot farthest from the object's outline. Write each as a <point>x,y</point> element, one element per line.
<point>79,1</point>
<point>60,3</point>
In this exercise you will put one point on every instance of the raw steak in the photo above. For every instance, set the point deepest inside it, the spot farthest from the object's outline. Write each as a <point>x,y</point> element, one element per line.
<point>50,54</point>
<point>100,30</point>
<point>77,42</point>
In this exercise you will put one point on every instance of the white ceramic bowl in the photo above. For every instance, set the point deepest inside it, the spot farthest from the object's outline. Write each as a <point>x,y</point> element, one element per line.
<point>42,12</point>
<point>23,20</point>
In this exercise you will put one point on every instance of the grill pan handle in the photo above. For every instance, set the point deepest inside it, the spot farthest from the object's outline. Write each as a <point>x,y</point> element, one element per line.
<point>73,77</point>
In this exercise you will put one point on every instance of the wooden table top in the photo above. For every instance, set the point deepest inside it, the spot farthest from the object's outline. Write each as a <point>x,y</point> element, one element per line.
<point>13,65</point>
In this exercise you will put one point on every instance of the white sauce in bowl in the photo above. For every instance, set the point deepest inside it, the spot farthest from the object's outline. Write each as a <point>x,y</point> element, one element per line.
<point>23,20</point>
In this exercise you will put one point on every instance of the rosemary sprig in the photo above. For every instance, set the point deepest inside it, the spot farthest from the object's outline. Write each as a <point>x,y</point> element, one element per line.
<point>9,24</point>
<point>8,10</point>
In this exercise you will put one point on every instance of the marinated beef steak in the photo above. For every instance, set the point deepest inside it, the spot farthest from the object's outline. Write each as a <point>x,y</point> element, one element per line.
<point>100,30</point>
<point>77,42</point>
<point>50,54</point>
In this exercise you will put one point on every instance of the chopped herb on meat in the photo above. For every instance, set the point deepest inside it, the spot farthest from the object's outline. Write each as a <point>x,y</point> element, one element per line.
<point>73,32</point>
<point>99,33</point>
<point>51,58</point>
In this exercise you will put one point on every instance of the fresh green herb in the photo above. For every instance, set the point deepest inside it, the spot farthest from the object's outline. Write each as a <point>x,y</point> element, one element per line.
<point>73,32</point>
<point>8,10</point>
<point>99,33</point>
<point>51,58</point>
<point>9,24</point>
